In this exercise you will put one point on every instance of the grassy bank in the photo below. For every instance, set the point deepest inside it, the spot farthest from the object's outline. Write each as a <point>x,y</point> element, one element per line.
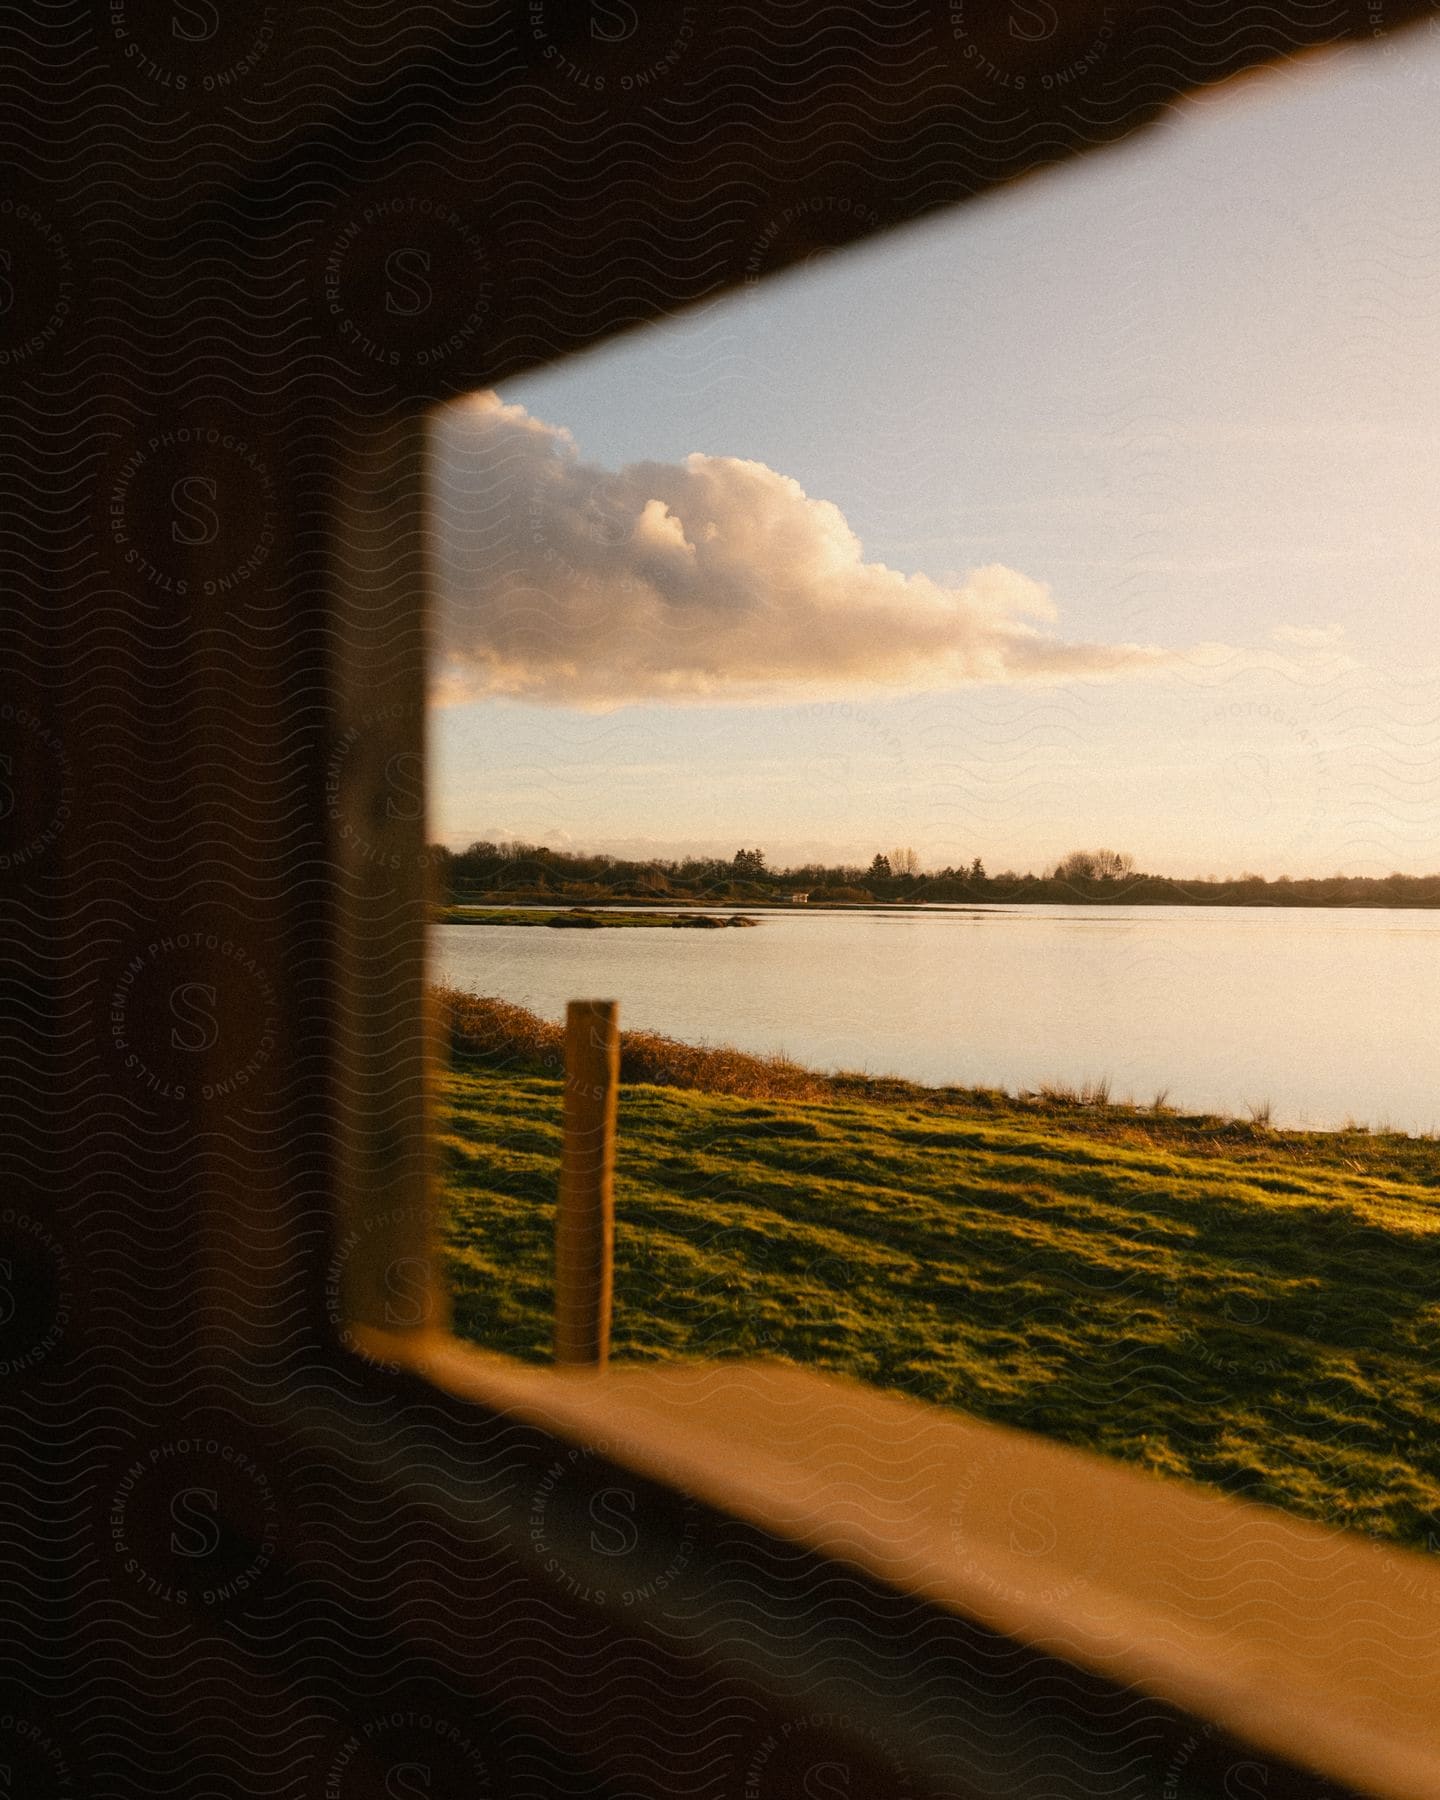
<point>1250,1308</point>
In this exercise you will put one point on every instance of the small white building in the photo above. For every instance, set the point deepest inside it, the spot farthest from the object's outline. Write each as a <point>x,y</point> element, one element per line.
<point>800,899</point>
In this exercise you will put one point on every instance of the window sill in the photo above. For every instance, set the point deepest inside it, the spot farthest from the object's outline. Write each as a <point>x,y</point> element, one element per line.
<point>1313,1645</point>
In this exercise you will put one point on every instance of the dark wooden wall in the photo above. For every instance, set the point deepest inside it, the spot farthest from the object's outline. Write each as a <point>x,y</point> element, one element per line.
<point>242,249</point>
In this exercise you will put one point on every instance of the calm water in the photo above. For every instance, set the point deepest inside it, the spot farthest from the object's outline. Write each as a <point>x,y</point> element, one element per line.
<point>1329,1014</point>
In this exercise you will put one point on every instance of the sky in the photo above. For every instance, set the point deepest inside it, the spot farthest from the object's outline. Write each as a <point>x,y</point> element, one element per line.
<point>1099,512</point>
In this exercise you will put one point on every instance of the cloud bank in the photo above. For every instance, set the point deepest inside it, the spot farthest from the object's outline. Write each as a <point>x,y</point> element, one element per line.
<point>710,579</point>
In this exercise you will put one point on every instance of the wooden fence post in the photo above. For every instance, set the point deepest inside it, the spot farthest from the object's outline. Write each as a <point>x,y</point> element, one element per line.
<point>585,1221</point>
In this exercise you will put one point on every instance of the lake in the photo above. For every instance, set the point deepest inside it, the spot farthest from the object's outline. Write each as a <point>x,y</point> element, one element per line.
<point>1329,1014</point>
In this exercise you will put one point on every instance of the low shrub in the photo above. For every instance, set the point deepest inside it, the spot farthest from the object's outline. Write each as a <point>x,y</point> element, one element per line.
<point>477,1028</point>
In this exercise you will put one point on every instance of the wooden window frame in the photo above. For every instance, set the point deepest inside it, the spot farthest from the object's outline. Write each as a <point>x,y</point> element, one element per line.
<point>1315,1647</point>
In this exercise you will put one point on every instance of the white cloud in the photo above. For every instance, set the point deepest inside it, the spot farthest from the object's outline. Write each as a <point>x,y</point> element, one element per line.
<point>1307,637</point>
<point>710,579</point>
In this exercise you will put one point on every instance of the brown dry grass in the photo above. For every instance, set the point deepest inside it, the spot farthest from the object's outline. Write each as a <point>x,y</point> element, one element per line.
<point>476,1028</point>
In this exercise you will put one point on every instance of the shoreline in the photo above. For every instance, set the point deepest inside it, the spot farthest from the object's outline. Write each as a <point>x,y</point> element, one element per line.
<point>486,1031</point>
<point>1012,903</point>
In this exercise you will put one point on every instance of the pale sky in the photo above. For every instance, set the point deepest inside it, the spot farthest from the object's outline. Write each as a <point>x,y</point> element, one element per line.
<point>1190,386</point>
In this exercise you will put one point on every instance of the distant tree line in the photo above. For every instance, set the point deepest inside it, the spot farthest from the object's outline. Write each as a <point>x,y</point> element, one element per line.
<point>516,870</point>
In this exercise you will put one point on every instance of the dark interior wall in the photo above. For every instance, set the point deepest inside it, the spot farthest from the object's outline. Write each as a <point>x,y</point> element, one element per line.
<point>241,246</point>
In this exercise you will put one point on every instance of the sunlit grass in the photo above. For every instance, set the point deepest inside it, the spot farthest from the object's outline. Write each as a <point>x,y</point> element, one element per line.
<point>1248,1307</point>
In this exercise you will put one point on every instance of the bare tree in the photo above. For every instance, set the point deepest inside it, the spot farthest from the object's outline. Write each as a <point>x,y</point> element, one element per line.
<point>904,862</point>
<point>1095,865</point>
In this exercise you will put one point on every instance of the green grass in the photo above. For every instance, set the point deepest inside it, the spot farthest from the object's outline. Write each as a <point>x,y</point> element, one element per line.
<point>1254,1309</point>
